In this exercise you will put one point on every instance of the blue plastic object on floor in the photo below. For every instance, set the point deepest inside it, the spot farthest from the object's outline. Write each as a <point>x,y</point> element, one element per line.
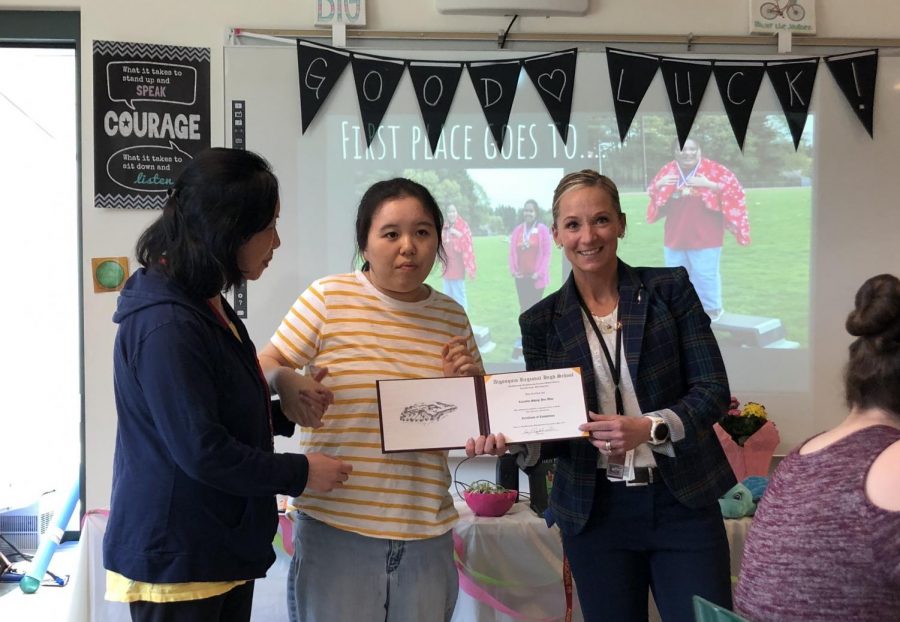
<point>34,576</point>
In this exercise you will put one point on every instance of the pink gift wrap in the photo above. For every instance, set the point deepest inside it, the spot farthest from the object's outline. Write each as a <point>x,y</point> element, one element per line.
<point>755,457</point>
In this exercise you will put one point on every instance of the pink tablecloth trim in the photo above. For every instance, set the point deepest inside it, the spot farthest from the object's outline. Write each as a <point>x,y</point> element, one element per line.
<point>470,587</point>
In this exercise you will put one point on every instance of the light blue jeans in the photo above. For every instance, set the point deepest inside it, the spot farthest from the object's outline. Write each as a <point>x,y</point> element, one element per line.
<point>340,576</point>
<point>702,265</point>
<point>456,289</point>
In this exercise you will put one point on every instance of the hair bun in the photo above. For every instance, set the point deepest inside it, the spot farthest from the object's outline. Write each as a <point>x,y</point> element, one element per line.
<point>877,312</point>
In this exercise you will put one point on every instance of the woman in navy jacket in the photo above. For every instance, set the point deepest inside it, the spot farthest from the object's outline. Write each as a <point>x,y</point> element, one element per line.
<point>646,352</point>
<point>636,502</point>
<point>193,511</point>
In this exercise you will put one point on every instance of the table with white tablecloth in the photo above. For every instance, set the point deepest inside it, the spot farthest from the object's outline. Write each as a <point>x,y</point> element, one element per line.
<point>510,570</point>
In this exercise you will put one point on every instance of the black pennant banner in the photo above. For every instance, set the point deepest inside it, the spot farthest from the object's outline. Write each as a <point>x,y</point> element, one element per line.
<point>320,68</point>
<point>495,85</point>
<point>630,75</point>
<point>554,78</point>
<point>793,82</point>
<point>435,86</point>
<point>686,82</point>
<point>376,80</point>
<point>553,75</point>
<point>855,74</point>
<point>738,83</point>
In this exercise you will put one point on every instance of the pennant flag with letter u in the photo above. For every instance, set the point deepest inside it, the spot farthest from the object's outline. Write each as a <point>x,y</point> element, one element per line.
<point>320,69</point>
<point>554,78</point>
<point>686,82</point>
<point>855,74</point>
<point>376,80</point>
<point>630,75</point>
<point>739,83</point>
<point>435,86</point>
<point>495,85</point>
<point>793,82</point>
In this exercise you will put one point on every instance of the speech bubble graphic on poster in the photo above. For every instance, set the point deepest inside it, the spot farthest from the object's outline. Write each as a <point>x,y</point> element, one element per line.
<point>131,81</point>
<point>147,168</point>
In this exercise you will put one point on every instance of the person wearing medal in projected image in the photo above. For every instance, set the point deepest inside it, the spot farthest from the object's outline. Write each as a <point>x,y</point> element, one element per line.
<point>637,500</point>
<point>699,199</point>
<point>529,259</point>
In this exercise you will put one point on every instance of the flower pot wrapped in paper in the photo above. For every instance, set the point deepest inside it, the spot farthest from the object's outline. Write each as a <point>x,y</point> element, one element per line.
<point>748,438</point>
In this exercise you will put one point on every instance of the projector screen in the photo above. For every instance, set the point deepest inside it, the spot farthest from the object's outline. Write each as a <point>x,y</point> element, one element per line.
<point>765,330</point>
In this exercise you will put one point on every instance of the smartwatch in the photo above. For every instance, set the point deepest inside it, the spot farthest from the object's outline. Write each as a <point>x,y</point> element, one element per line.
<point>659,430</point>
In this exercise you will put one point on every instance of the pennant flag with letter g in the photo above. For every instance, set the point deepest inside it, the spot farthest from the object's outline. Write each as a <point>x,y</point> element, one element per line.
<point>320,69</point>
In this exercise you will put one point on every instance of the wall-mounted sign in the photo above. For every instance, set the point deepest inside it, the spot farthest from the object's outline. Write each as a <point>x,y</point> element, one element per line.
<point>772,16</point>
<point>151,115</point>
<point>109,273</point>
<point>347,12</point>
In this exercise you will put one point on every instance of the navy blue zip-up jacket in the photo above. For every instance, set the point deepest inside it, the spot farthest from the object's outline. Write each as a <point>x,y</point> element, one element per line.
<point>195,475</point>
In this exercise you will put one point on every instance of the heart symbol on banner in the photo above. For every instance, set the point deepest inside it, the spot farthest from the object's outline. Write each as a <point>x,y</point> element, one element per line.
<point>550,87</point>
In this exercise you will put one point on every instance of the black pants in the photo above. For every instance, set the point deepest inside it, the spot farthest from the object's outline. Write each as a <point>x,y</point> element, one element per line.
<point>232,606</point>
<point>642,537</point>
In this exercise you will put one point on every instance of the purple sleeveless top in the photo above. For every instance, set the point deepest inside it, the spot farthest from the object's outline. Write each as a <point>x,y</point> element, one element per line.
<point>817,548</point>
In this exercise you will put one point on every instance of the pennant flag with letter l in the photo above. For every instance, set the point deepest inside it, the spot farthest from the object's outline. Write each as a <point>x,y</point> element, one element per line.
<point>739,83</point>
<point>855,74</point>
<point>376,80</point>
<point>686,82</point>
<point>435,86</point>
<point>495,85</point>
<point>554,78</point>
<point>320,68</point>
<point>630,75</point>
<point>793,82</point>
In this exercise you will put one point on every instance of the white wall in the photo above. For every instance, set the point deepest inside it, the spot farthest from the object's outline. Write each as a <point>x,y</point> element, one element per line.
<point>206,22</point>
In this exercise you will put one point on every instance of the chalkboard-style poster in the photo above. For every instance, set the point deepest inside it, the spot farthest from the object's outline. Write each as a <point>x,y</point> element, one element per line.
<point>151,115</point>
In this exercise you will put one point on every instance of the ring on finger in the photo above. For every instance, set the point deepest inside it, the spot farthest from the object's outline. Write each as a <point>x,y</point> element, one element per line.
<point>608,445</point>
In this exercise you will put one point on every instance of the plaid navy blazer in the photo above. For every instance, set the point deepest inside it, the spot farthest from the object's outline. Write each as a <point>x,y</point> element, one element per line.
<point>674,362</point>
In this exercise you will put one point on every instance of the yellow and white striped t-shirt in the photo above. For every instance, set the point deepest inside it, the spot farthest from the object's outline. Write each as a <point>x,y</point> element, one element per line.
<point>342,322</point>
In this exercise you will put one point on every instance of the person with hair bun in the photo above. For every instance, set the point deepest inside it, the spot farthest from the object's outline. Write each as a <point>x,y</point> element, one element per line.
<point>825,540</point>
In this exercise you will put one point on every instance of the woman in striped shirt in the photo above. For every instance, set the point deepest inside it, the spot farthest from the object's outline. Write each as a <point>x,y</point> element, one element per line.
<point>383,539</point>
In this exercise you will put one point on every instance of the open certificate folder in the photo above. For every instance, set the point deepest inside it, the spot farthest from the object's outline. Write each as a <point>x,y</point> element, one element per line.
<point>443,413</point>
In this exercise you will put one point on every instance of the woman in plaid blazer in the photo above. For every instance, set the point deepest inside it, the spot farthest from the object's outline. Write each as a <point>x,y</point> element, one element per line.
<point>636,501</point>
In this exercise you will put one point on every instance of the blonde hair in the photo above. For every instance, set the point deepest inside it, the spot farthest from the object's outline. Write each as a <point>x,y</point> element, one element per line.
<point>581,179</point>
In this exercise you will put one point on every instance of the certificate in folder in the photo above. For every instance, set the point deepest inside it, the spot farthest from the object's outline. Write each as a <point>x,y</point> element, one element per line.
<point>443,413</point>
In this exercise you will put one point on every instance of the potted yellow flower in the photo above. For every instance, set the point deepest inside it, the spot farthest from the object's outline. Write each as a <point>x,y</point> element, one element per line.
<point>749,439</point>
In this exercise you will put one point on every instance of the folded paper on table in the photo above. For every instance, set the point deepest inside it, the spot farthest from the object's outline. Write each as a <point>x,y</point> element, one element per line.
<point>443,413</point>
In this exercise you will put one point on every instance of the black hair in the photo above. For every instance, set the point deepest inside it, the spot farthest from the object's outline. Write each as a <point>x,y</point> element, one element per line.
<point>389,190</point>
<point>872,375</point>
<point>220,200</point>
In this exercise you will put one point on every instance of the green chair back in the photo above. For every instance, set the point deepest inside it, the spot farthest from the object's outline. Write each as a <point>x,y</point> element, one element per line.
<point>705,611</point>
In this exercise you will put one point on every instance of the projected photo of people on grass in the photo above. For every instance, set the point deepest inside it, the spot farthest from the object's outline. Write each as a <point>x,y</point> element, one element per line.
<point>739,223</point>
